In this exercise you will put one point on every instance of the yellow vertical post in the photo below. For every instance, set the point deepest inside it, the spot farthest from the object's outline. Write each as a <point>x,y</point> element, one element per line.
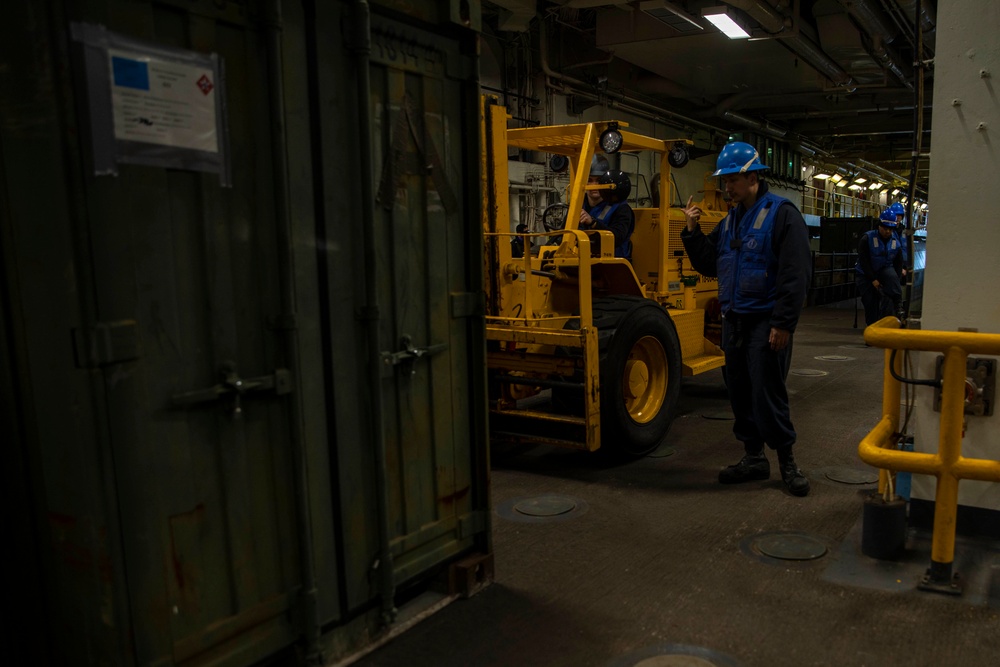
<point>890,405</point>
<point>584,278</point>
<point>578,187</point>
<point>949,450</point>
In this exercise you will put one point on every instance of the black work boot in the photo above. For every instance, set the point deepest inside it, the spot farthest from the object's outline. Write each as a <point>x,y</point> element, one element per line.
<point>750,467</point>
<point>797,483</point>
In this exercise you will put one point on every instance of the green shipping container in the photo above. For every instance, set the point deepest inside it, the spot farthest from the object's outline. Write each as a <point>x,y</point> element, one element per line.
<point>242,361</point>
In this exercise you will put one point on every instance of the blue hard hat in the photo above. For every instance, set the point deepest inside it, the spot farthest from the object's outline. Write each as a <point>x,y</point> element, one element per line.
<point>898,209</point>
<point>737,158</point>
<point>598,166</point>
<point>888,218</point>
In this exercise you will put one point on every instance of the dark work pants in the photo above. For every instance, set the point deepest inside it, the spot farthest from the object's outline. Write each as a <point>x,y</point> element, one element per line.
<point>755,379</point>
<point>883,301</point>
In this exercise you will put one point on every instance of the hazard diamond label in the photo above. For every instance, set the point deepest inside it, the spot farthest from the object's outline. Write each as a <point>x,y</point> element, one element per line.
<point>205,84</point>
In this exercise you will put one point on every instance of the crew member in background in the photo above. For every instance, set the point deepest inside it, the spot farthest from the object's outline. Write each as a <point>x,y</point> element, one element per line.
<point>598,167</point>
<point>760,253</point>
<point>900,212</point>
<point>613,213</point>
<point>879,271</point>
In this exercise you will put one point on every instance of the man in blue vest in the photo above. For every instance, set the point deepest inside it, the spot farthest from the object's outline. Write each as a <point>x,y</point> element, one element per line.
<point>760,253</point>
<point>879,270</point>
<point>613,212</point>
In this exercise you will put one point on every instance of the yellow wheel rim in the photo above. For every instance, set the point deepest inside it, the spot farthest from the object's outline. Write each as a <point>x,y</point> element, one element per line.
<point>644,383</point>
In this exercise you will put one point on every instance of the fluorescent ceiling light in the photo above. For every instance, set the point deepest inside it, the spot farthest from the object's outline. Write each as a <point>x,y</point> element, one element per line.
<point>841,183</point>
<point>923,206</point>
<point>822,177</point>
<point>854,187</point>
<point>720,18</point>
<point>895,192</point>
<point>838,179</point>
<point>860,179</point>
<point>874,186</point>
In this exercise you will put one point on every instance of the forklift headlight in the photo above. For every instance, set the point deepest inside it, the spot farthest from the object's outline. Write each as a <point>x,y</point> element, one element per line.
<point>678,155</point>
<point>611,139</point>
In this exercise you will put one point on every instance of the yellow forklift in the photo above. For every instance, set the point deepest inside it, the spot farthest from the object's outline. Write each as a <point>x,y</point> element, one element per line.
<point>586,350</point>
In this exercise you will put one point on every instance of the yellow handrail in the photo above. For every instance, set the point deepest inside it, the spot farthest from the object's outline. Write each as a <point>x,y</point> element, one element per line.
<point>948,464</point>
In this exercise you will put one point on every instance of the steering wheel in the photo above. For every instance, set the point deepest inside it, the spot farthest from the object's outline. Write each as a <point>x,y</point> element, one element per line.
<point>554,217</point>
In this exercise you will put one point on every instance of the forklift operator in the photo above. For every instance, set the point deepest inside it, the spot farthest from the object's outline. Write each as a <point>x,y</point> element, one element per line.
<point>760,253</point>
<point>598,167</point>
<point>613,213</point>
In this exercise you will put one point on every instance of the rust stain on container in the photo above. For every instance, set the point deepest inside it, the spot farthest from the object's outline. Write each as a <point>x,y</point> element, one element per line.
<point>452,497</point>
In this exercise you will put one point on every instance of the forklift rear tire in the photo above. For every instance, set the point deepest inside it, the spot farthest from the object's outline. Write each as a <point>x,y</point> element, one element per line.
<point>640,379</point>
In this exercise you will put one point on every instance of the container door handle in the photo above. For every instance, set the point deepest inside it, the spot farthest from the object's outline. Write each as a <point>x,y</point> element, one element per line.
<point>232,385</point>
<point>409,353</point>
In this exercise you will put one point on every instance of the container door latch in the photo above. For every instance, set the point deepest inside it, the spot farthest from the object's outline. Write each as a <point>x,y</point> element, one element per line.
<point>234,387</point>
<point>409,354</point>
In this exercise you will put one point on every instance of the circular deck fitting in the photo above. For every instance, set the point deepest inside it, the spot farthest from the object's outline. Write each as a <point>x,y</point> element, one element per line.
<point>722,415</point>
<point>546,506</point>
<point>834,357</point>
<point>847,475</point>
<point>662,452</point>
<point>808,372</point>
<point>541,509</point>
<point>674,661</point>
<point>675,655</point>
<point>789,546</point>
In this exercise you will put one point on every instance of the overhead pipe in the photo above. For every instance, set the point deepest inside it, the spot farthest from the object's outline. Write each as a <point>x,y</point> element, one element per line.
<point>640,107</point>
<point>870,18</point>
<point>761,126</point>
<point>793,115</point>
<point>927,13</point>
<point>654,83</point>
<point>774,23</point>
<point>588,90</point>
<point>288,333</point>
<point>890,60</point>
<point>874,169</point>
<point>873,22</point>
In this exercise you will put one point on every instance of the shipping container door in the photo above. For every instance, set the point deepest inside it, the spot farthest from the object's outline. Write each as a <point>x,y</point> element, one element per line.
<point>185,275</point>
<point>425,162</point>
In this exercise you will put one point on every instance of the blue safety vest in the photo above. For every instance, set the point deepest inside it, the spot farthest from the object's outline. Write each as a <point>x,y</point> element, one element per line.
<point>882,253</point>
<point>602,213</point>
<point>747,265</point>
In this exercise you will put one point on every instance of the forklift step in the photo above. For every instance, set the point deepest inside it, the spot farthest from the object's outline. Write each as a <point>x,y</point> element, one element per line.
<point>703,363</point>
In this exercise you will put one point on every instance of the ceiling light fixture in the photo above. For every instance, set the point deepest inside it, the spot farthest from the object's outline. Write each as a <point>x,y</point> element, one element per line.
<point>838,179</point>
<point>725,22</point>
<point>923,207</point>
<point>855,186</point>
<point>874,186</point>
<point>895,192</point>
<point>860,179</point>
<point>822,177</point>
